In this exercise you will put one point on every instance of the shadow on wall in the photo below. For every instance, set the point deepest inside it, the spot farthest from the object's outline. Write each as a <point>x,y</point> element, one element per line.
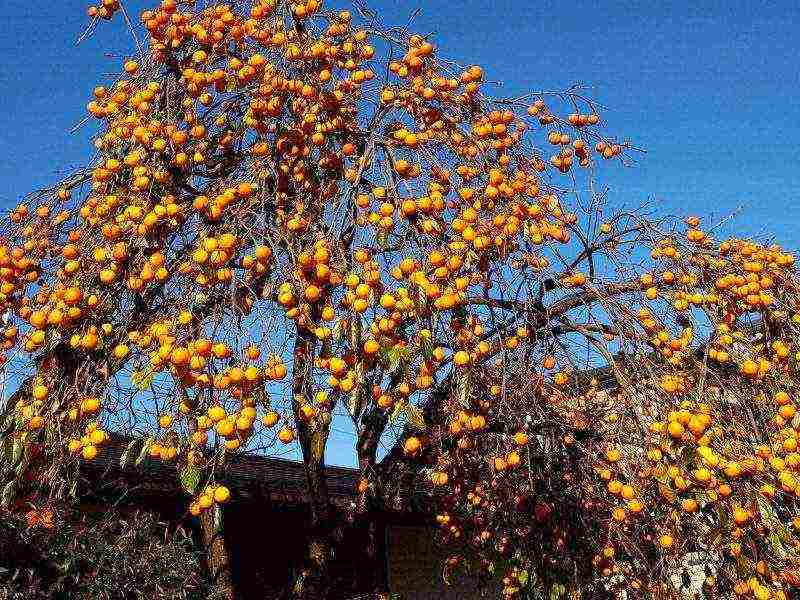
<point>415,568</point>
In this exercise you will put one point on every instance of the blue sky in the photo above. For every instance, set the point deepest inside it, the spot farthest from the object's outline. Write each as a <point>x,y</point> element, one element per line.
<point>708,88</point>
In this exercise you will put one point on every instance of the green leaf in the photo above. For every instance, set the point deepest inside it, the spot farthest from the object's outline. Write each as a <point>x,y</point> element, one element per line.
<point>663,479</point>
<point>398,411</point>
<point>327,349</point>
<point>744,566</point>
<point>7,424</point>
<point>23,464</point>
<point>688,455</point>
<point>354,404</point>
<point>422,298</point>
<point>767,513</point>
<point>715,537</point>
<point>190,478</point>
<point>426,349</point>
<point>522,577</point>
<point>142,378</point>
<point>54,339</point>
<point>722,515</point>
<point>394,356</point>
<point>338,334</point>
<point>415,418</point>
<point>383,239</point>
<point>777,546</point>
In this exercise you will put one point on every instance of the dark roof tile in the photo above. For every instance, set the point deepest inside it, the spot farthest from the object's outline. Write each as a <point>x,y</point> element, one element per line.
<point>245,472</point>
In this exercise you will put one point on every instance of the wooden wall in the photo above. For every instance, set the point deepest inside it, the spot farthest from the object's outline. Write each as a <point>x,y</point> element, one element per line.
<point>415,567</point>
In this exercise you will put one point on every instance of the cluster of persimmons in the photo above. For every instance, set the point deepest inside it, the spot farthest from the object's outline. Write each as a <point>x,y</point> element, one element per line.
<point>271,171</point>
<point>685,443</point>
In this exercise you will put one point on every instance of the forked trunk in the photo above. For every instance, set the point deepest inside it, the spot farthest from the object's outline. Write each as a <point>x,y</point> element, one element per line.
<point>312,581</point>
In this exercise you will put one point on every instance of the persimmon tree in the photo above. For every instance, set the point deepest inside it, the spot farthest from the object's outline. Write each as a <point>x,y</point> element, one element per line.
<point>293,210</point>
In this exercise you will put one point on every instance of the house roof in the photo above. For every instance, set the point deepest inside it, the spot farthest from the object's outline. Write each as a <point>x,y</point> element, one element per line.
<point>250,476</point>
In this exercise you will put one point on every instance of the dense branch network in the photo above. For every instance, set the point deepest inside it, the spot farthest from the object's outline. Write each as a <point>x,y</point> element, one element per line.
<point>293,211</point>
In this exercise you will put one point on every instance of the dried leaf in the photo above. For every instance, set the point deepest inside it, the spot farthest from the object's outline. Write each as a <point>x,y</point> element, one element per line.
<point>667,492</point>
<point>217,516</point>
<point>145,449</point>
<point>126,454</point>
<point>463,387</point>
<point>354,333</point>
<point>795,423</point>
<point>355,400</point>
<point>8,493</point>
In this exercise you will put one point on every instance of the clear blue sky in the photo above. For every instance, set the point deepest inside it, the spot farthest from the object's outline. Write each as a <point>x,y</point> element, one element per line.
<point>708,88</point>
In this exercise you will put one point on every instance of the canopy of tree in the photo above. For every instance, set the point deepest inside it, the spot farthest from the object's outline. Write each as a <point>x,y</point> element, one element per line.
<point>295,212</point>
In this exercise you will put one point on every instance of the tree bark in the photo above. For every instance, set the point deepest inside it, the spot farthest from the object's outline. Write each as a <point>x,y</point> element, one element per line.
<point>377,555</point>
<point>312,581</point>
<point>373,424</point>
<point>217,555</point>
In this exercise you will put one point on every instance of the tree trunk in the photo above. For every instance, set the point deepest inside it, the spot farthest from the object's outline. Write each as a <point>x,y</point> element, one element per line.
<point>373,424</point>
<point>217,556</point>
<point>377,556</point>
<point>312,581</point>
